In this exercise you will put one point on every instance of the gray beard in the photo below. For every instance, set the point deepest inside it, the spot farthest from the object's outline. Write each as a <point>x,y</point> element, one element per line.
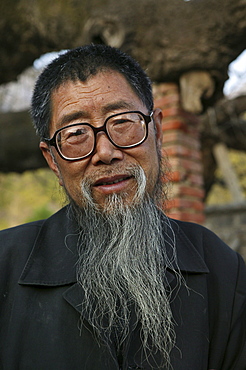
<point>122,268</point>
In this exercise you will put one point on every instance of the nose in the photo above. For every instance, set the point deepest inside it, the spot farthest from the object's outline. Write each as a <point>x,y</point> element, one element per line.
<point>105,152</point>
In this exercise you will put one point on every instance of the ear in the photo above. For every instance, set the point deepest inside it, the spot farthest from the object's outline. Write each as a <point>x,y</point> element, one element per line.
<point>45,149</point>
<point>157,117</point>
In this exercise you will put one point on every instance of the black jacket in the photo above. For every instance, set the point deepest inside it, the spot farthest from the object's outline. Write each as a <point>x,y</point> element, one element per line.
<point>40,303</point>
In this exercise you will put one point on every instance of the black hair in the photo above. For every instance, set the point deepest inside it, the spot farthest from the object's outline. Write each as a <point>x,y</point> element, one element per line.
<point>80,64</point>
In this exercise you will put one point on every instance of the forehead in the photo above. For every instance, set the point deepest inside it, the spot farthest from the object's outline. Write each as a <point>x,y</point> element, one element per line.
<point>104,88</point>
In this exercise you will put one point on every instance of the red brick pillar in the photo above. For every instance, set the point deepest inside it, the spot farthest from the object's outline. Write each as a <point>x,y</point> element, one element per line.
<point>181,144</point>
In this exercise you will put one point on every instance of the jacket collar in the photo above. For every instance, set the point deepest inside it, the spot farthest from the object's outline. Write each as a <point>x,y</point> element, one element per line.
<point>52,261</point>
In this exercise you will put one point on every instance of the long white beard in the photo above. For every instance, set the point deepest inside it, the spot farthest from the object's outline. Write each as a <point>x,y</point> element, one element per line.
<point>122,264</point>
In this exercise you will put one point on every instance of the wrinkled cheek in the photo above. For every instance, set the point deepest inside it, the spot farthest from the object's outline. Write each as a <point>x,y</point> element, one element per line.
<point>152,180</point>
<point>73,192</point>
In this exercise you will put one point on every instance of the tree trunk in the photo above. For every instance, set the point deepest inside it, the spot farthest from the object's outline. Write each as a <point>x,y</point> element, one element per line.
<point>168,38</point>
<point>222,123</point>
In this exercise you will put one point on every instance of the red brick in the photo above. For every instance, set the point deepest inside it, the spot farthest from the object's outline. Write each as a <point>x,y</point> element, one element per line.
<point>186,165</point>
<point>190,141</point>
<point>196,179</point>
<point>173,136</point>
<point>167,101</point>
<point>182,138</point>
<point>181,146</point>
<point>189,204</point>
<point>175,150</point>
<point>190,191</point>
<point>181,151</point>
<point>173,125</point>
<point>176,176</point>
<point>172,111</point>
<point>165,88</point>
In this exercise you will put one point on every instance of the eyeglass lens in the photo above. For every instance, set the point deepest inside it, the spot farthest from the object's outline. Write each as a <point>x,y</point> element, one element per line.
<point>124,130</point>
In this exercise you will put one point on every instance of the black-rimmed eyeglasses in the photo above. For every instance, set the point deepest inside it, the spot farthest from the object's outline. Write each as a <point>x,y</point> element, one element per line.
<point>78,141</point>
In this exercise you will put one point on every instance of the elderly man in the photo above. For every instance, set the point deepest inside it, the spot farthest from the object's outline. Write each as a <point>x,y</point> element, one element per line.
<point>109,282</point>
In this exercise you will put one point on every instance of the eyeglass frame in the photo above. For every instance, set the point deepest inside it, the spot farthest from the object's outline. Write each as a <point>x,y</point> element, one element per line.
<point>103,128</point>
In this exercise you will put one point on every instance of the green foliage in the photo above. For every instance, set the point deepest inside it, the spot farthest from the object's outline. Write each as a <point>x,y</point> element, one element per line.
<point>40,214</point>
<point>27,197</point>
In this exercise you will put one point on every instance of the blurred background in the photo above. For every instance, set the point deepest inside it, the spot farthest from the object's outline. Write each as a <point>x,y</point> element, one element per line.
<point>194,52</point>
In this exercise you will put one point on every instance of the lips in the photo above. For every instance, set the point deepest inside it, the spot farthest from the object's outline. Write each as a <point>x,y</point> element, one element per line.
<point>111,180</point>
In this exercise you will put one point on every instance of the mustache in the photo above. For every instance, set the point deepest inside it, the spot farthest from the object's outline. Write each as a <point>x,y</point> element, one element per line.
<point>131,170</point>
<point>134,171</point>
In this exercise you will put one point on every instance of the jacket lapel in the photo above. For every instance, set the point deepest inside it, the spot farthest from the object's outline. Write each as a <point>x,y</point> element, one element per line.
<point>53,259</point>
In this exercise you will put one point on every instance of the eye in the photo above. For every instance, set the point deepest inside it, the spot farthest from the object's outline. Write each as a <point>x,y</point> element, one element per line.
<point>75,135</point>
<point>78,132</point>
<point>121,121</point>
<point>122,125</point>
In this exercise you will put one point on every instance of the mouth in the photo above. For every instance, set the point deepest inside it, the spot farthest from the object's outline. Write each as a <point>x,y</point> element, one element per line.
<point>111,180</point>
<point>113,184</point>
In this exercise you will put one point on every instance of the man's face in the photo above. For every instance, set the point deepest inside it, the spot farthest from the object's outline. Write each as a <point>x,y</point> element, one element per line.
<point>104,94</point>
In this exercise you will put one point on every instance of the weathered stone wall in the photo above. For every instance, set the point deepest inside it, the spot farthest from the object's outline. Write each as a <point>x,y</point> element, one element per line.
<point>229,223</point>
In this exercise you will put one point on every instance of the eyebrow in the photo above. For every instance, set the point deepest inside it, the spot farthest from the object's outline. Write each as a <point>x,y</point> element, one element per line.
<point>121,104</point>
<point>67,118</point>
<point>70,117</point>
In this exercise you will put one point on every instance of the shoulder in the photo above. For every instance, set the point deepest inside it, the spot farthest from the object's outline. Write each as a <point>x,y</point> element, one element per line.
<point>202,238</point>
<point>17,242</point>
<point>26,234</point>
<point>20,233</point>
<point>15,247</point>
<point>20,230</point>
<point>220,259</point>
